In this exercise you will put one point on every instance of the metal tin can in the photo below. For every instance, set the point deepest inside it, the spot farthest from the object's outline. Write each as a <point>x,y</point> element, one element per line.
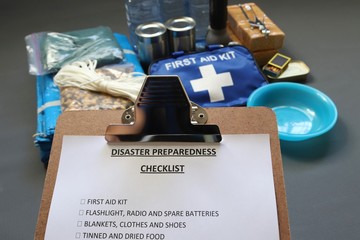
<point>152,42</point>
<point>181,31</point>
<point>297,71</point>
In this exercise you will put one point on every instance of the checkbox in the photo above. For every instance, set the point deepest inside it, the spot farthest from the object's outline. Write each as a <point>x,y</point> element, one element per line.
<point>82,201</point>
<point>77,235</point>
<point>81,212</point>
<point>79,223</point>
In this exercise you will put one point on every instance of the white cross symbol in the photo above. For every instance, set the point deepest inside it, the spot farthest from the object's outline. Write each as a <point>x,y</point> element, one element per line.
<point>212,82</point>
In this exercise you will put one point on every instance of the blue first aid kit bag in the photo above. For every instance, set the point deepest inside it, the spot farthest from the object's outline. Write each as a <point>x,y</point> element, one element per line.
<point>217,77</point>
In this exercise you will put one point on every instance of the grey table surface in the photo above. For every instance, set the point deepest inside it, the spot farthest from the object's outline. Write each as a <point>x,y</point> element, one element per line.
<point>322,175</point>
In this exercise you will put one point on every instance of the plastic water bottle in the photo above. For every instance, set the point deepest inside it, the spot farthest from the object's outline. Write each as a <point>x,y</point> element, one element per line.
<point>139,12</point>
<point>173,9</point>
<point>199,11</point>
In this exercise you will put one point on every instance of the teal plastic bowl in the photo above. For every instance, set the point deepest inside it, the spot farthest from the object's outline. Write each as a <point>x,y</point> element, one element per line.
<point>302,112</point>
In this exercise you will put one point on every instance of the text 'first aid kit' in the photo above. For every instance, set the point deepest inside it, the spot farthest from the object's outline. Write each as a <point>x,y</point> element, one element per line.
<point>218,77</point>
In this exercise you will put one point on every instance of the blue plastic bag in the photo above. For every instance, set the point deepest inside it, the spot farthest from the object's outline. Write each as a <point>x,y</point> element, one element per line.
<point>218,77</point>
<point>48,52</point>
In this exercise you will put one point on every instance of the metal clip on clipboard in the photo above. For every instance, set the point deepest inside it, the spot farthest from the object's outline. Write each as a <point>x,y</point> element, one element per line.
<point>163,112</point>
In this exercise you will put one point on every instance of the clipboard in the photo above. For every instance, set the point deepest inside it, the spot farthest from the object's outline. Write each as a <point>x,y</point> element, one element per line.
<point>230,120</point>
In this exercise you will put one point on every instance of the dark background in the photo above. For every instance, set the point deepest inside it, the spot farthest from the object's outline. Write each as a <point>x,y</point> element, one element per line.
<point>322,175</point>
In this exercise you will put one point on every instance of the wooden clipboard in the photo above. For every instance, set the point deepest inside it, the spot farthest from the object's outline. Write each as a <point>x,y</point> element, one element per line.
<point>232,120</point>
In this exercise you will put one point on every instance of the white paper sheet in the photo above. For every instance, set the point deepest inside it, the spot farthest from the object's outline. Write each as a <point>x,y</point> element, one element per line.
<point>171,191</point>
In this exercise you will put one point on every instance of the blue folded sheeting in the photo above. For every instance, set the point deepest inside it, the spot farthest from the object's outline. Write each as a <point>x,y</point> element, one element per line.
<point>48,110</point>
<point>49,105</point>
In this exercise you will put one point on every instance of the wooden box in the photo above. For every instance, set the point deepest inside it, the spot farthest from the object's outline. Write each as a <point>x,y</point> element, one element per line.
<point>253,38</point>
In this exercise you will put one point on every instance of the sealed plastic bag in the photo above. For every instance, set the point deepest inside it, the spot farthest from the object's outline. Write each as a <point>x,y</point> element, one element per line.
<point>84,88</point>
<point>51,100</point>
<point>49,51</point>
